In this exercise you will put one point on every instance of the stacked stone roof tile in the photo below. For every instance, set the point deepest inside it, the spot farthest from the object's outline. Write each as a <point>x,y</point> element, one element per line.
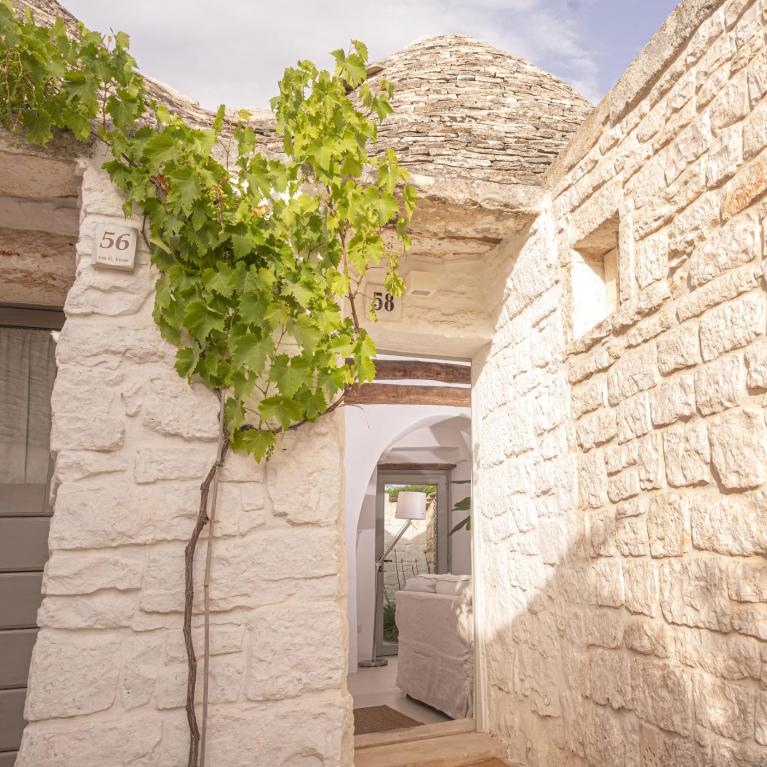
<point>464,107</point>
<point>461,108</point>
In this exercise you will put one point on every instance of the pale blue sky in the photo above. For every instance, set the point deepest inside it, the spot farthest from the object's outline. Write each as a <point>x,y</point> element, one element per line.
<point>235,50</point>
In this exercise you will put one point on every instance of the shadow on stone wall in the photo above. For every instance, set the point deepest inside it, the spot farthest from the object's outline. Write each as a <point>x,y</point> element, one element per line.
<point>580,679</point>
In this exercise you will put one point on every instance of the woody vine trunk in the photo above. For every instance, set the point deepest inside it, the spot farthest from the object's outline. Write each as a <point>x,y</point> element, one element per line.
<point>204,517</point>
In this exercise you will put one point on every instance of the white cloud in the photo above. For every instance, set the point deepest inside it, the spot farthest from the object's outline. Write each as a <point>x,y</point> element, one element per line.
<point>235,50</point>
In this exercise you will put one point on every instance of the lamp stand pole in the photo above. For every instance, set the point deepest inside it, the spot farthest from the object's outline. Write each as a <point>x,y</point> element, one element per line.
<point>379,565</point>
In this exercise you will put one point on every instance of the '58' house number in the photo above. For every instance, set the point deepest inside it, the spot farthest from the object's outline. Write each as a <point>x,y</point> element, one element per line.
<point>385,305</point>
<point>115,247</point>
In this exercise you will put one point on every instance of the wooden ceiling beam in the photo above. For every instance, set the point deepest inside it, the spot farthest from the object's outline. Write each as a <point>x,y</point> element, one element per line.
<point>404,370</point>
<point>416,466</point>
<point>394,394</point>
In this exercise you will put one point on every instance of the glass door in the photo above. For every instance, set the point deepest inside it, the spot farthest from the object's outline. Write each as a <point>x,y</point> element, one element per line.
<point>422,549</point>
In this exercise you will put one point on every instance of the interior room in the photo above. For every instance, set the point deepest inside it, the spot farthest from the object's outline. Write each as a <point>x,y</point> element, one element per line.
<point>408,506</point>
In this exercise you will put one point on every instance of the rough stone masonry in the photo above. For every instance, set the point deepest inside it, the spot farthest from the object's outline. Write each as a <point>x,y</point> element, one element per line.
<point>132,440</point>
<point>621,475</point>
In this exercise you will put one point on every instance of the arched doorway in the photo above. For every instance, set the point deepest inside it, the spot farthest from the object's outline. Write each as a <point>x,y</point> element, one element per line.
<point>422,446</point>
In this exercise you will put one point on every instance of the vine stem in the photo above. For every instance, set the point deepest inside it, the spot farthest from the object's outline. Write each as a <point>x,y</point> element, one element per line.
<point>351,295</point>
<point>221,454</point>
<point>206,516</point>
<point>211,480</point>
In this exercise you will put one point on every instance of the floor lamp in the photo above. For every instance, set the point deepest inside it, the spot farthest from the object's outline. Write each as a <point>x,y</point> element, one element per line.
<point>410,505</point>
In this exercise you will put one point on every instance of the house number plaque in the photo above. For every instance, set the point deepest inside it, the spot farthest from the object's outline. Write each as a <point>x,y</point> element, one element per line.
<point>115,247</point>
<point>386,306</point>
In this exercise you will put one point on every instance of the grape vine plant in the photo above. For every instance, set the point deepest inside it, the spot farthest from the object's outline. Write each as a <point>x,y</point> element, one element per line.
<point>260,257</point>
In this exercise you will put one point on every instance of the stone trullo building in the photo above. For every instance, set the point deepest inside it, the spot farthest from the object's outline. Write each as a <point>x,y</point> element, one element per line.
<point>603,271</point>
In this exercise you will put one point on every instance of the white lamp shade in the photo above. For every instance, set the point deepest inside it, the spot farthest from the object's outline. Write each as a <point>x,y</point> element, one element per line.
<point>411,505</point>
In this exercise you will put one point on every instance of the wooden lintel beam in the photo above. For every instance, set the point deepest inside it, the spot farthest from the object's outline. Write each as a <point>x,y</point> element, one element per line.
<point>444,372</point>
<point>394,394</point>
<point>416,466</point>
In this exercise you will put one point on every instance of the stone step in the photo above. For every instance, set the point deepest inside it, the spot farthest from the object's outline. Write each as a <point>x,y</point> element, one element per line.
<point>494,762</point>
<point>436,730</point>
<point>471,749</point>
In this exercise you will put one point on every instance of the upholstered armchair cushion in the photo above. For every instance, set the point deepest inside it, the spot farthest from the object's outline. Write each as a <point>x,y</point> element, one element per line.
<point>436,647</point>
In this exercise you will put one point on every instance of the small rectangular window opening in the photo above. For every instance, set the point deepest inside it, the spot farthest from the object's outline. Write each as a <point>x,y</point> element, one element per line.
<point>594,276</point>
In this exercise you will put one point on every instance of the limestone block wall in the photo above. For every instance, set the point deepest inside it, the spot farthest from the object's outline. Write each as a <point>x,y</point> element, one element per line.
<point>524,499</point>
<point>132,443</point>
<point>621,476</point>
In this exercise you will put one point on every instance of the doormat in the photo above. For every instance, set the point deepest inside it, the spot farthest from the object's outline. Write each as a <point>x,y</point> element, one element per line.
<point>380,719</point>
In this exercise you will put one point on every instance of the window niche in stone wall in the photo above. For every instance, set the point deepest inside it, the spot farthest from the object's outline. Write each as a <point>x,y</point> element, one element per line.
<point>594,276</point>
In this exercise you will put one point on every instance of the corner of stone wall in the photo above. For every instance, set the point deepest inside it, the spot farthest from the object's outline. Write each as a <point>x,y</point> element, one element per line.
<point>132,442</point>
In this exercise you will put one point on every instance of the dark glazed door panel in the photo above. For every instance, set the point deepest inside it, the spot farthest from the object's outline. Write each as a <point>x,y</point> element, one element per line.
<point>27,372</point>
<point>20,596</point>
<point>11,718</point>
<point>15,652</point>
<point>24,543</point>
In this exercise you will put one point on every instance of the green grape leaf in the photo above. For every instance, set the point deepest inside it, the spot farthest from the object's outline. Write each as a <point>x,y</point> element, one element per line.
<point>305,331</point>
<point>186,361</point>
<point>252,309</point>
<point>221,281</point>
<point>251,352</point>
<point>283,409</point>
<point>257,442</point>
<point>234,413</point>
<point>290,374</point>
<point>161,148</point>
<point>201,321</point>
<point>185,186</point>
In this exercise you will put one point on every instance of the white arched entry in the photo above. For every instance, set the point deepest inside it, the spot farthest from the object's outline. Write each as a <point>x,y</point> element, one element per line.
<point>372,430</point>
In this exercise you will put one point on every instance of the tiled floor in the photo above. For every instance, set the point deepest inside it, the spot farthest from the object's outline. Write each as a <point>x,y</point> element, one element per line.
<point>378,687</point>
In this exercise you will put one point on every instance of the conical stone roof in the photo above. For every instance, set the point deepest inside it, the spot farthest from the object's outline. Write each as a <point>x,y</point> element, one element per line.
<point>464,107</point>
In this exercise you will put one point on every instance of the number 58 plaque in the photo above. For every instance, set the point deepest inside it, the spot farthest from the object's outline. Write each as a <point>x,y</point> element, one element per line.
<point>384,304</point>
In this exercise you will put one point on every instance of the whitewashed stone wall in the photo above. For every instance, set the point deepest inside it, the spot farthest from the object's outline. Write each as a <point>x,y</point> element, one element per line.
<point>621,478</point>
<point>132,443</point>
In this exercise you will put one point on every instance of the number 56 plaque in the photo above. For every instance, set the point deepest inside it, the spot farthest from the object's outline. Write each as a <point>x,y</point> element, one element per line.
<point>115,247</point>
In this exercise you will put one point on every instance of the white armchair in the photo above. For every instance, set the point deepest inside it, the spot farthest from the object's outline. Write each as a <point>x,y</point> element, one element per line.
<point>436,642</point>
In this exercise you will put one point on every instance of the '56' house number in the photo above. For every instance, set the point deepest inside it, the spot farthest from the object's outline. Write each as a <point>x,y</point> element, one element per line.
<point>385,305</point>
<point>115,247</point>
